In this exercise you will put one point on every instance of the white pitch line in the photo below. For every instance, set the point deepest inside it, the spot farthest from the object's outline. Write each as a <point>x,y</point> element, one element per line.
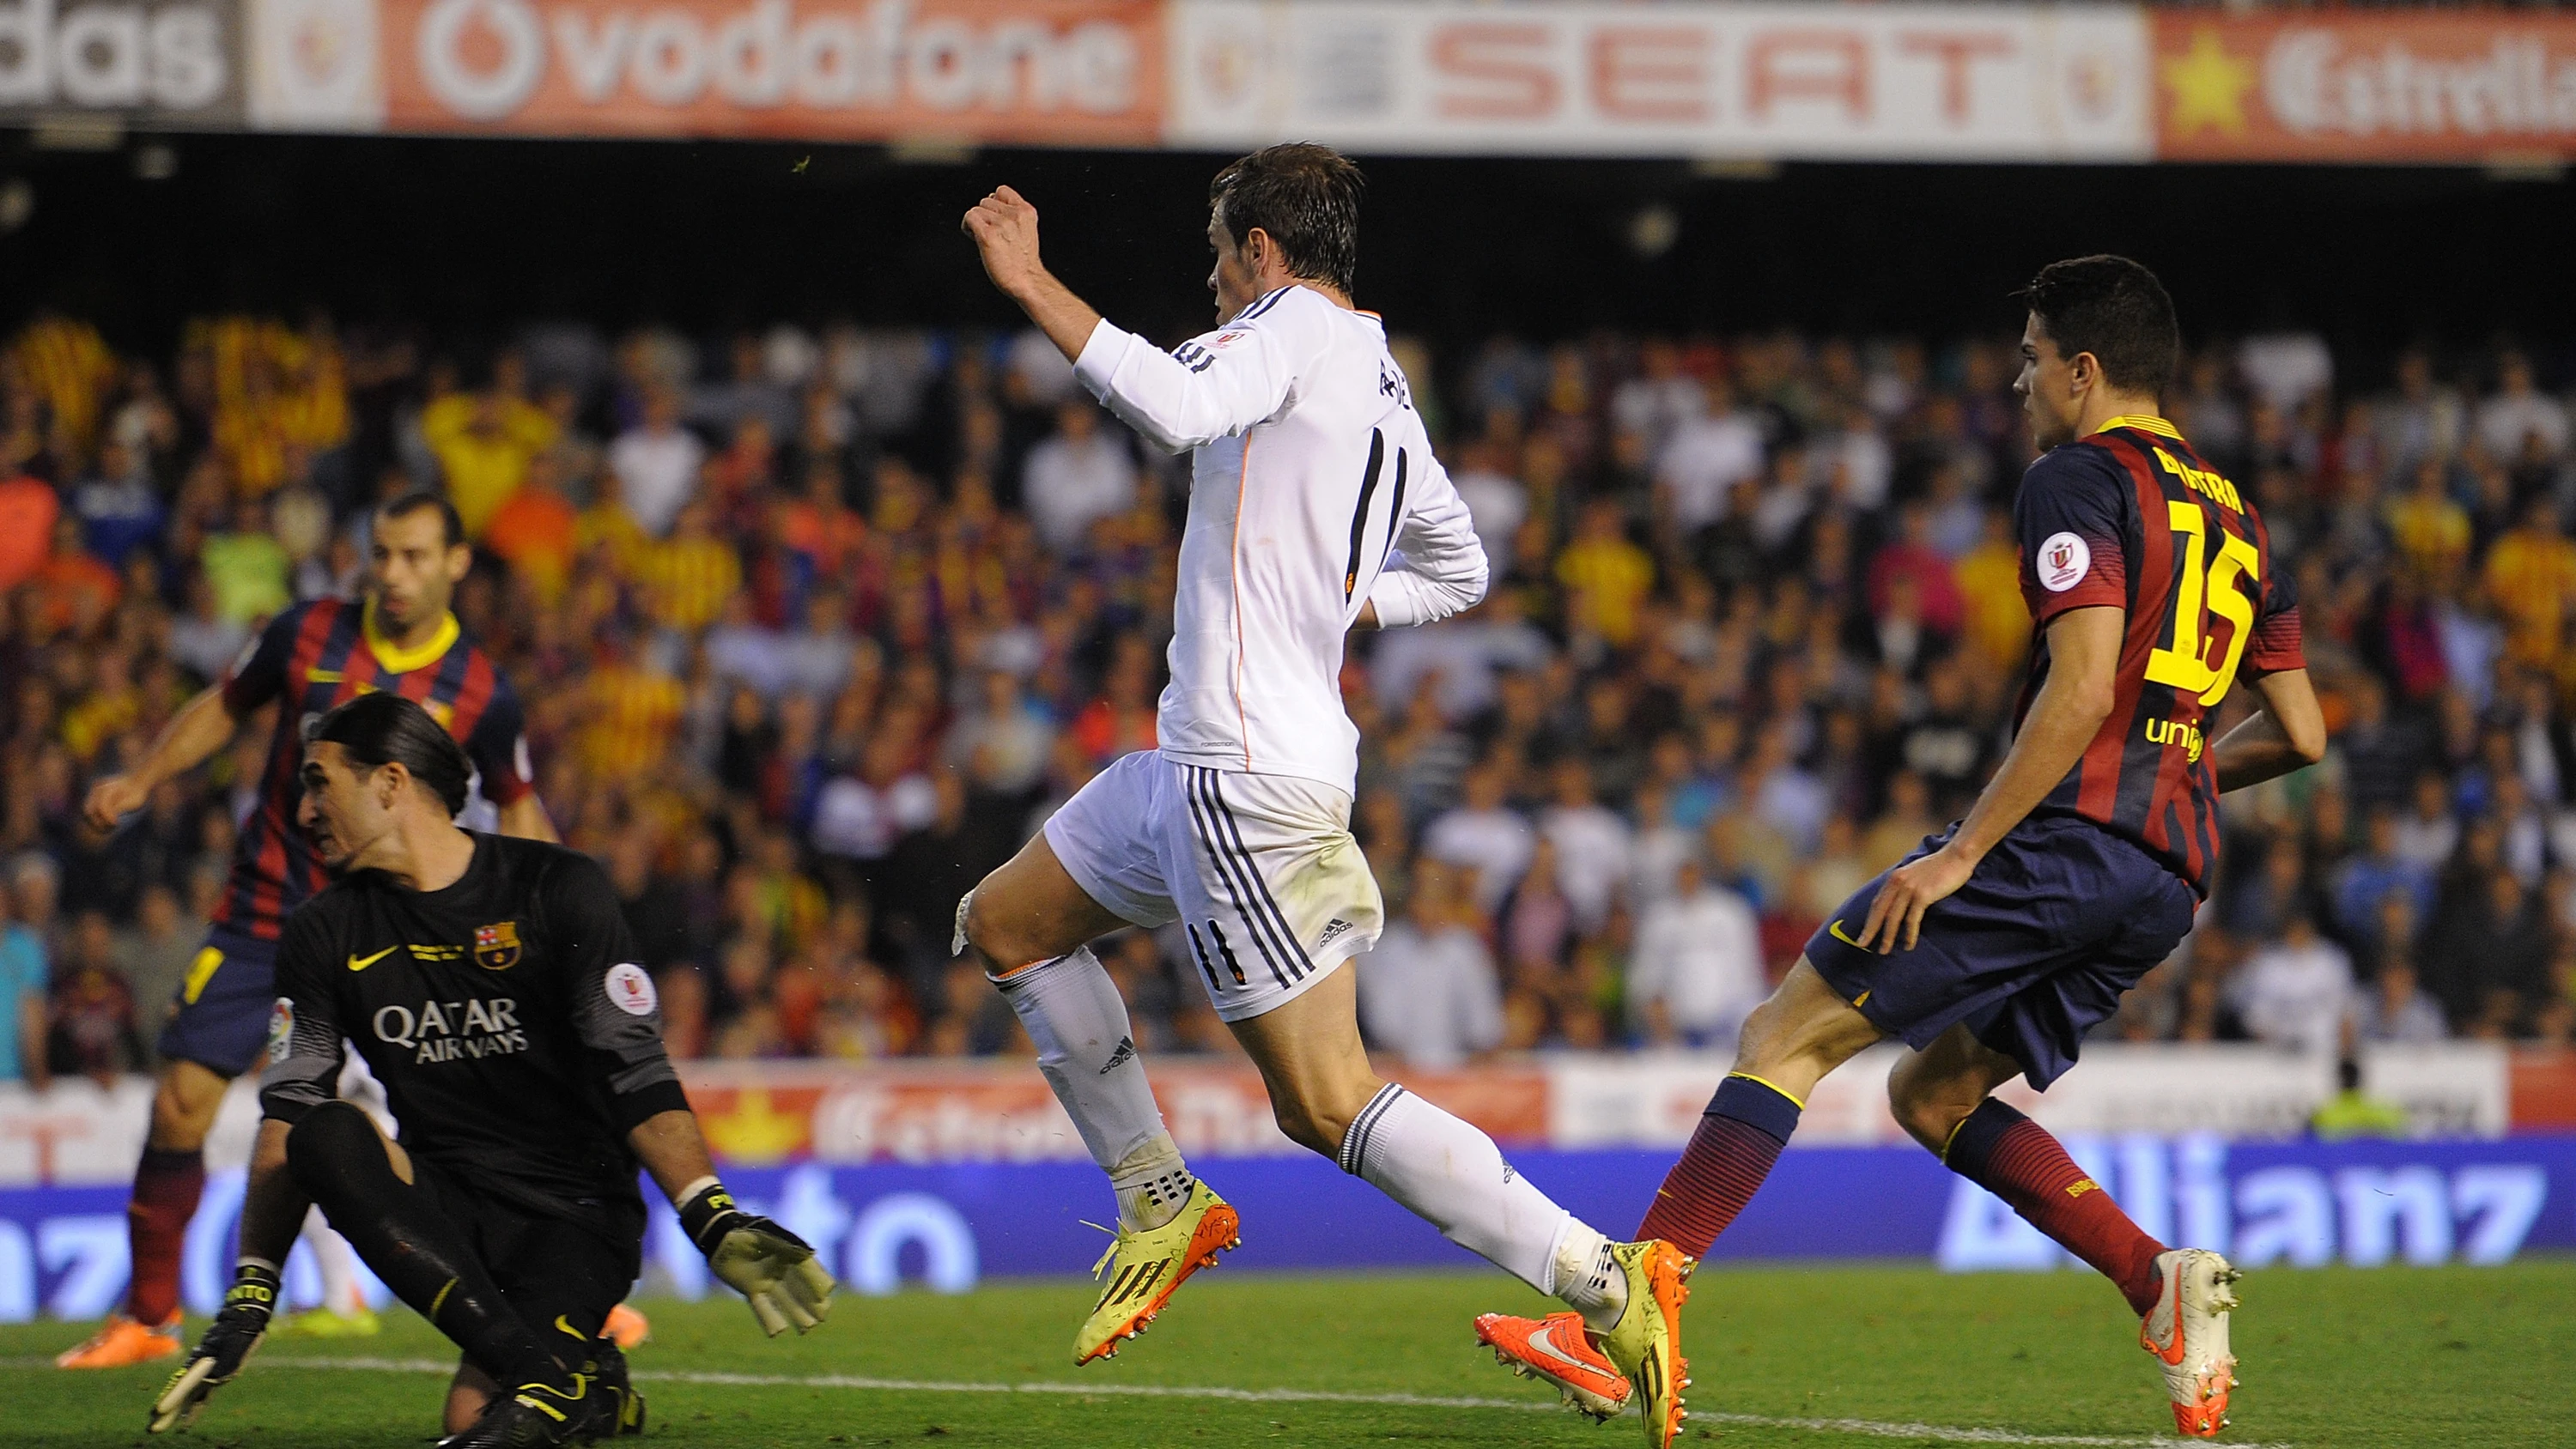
<point>1870,1428</point>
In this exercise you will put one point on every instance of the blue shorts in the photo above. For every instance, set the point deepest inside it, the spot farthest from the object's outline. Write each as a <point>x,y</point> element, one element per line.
<point>2060,919</point>
<point>219,1019</point>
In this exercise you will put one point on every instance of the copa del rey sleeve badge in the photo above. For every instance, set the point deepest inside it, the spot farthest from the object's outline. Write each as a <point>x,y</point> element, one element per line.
<point>496,946</point>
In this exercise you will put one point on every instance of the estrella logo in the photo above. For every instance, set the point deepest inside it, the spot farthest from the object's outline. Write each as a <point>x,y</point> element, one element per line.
<point>2176,734</point>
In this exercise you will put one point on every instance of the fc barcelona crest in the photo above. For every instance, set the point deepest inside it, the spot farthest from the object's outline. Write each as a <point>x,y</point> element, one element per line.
<point>496,947</point>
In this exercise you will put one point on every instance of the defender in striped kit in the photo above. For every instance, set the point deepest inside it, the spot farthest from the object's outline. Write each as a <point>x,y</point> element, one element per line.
<point>1316,507</point>
<point>1999,944</point>
<point>402,640</point>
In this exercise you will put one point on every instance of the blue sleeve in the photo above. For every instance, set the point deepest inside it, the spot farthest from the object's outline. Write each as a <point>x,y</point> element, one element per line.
<point>259,675</point>
<point>2071,519</point>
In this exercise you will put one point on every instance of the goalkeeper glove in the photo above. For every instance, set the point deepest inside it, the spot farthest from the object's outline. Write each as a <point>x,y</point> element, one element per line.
<point>769,1266</point>
<point>228,1344</point>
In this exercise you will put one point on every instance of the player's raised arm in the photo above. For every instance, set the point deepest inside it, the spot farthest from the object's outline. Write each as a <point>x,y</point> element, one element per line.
<point>1005,229</point>
<point>1438,566</point>
<point>202,726</point>
<point>1216,385</point>
<point>618,1017</point>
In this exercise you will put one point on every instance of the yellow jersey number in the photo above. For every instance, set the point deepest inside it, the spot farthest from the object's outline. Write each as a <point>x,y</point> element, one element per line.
<point>2201,592</point>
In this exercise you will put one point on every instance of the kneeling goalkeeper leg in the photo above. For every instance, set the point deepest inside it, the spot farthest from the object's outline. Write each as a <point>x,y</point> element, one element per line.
<point>338,1158</point>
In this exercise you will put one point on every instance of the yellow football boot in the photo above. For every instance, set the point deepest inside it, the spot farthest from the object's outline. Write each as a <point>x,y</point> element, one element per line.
<point>1646,1343</point>
<point>1141,1269</point>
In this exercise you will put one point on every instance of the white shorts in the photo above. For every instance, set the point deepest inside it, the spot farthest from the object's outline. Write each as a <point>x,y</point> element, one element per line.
<point>1260,869</point>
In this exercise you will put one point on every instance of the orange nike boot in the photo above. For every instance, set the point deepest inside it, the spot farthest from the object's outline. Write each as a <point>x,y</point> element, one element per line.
<point>121,1342</point>
<point>1558,1350</point>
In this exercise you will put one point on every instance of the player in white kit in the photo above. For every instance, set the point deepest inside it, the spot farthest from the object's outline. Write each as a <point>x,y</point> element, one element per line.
<point>1316,507</point>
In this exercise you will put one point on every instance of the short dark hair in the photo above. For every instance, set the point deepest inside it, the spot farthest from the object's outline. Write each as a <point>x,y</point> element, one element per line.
<point>404,504</point>
<point>1307,197</point>
<point>2115,309</point>
<point>379,729</point>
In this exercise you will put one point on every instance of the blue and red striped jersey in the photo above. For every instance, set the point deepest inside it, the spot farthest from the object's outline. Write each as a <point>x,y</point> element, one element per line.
<point>324,653</point>
<point>2132,518</point>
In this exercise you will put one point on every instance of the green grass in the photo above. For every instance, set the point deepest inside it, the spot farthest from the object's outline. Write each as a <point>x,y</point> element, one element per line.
<point>2387,1359</point>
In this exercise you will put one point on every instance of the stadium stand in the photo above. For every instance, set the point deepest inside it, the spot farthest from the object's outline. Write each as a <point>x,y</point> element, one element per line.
<point>814,628</point>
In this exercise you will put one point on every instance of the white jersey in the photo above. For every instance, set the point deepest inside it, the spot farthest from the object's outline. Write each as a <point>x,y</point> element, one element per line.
<point>1313,491</point>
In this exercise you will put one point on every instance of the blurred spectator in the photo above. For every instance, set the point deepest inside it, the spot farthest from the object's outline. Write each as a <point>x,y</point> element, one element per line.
<point>656,464</point>
<point>1428,992</point>
<point>2520,422</point>
<point>92,1032</point>
<point>153,957</point>
<point>1077,477</point>
<point>1698,968</point>
<point>2294,992</point>
<point>2531,579</point>
<point>1591,844</point>
<point>28,508</point>
<point>2391,1009</point>
<point>1482,836</point>
<point>2495,945</point>
<point>2369,876</point>
<point>24,975</point>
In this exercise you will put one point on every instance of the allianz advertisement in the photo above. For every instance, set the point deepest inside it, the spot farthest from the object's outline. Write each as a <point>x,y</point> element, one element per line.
<point>943,1175</point>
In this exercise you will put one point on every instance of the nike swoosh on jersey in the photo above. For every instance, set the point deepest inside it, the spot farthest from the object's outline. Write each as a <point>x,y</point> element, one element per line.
<point>1836,931</point>
<point>1541,1343</point>
<point>361,963</point>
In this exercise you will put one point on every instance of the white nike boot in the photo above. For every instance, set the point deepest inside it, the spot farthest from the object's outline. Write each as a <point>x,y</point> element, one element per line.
<point>2187,1332</point>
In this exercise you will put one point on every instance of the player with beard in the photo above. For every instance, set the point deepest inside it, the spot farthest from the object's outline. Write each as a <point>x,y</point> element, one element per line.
<point>402,639</point>
<point>490,985</point>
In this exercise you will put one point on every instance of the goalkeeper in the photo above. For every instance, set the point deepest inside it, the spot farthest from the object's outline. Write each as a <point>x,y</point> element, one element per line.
<point>490,986</point>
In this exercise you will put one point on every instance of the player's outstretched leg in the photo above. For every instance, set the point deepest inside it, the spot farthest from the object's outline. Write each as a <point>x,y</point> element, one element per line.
<point>340,1159</point>
<point>1170,1225</point>
<point>1788,1045</point>
<point>2182,1298</point>
<point>1449,1173</point>
<point>167,1182</point>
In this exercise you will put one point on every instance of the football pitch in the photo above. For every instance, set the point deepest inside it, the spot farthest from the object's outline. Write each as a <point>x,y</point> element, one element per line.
<point>1841,1356</point>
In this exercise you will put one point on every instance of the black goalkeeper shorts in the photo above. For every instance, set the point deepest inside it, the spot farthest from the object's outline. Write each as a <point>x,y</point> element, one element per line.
<point>562,1276</point>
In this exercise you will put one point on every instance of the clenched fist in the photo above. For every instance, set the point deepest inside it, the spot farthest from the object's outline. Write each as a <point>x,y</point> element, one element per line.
<point>1005,229</point>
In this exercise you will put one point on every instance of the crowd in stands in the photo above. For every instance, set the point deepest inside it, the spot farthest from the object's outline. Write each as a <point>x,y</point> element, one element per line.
<point>813,629</point>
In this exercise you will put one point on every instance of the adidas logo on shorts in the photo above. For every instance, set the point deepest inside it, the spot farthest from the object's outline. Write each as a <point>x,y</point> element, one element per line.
<point>1332,931</point>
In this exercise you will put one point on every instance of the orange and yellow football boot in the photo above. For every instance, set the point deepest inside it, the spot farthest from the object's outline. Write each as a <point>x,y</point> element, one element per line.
<point>2187,1332</point>
<point>122,1342</point>
<point>1646,1342</point>
<point>1141,1269</point>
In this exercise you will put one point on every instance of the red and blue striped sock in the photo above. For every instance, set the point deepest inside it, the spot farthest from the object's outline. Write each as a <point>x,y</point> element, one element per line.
<point>2014,1158</point>
<point>1739,1138</point>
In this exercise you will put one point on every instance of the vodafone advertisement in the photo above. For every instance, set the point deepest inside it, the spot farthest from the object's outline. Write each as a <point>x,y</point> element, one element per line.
<point>2377,86</point>
<point>1784,80</point>
<point>1031,72</point>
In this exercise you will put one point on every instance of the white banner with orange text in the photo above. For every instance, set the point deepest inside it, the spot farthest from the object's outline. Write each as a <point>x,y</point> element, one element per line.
<point>1789,81</point>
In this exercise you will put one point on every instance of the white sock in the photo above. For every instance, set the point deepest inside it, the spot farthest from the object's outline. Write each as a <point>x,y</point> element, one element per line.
<point>1588,1278</point>
<point>337,1264</point>
<point>1454,1177</point>
<point>1152,1184</point>
<point>1079,1022</point>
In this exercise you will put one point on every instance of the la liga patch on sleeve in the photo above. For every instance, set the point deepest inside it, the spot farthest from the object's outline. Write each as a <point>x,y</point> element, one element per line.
<point>630,989</point>
<point>2064,560</point>
<point>281,1029</point>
